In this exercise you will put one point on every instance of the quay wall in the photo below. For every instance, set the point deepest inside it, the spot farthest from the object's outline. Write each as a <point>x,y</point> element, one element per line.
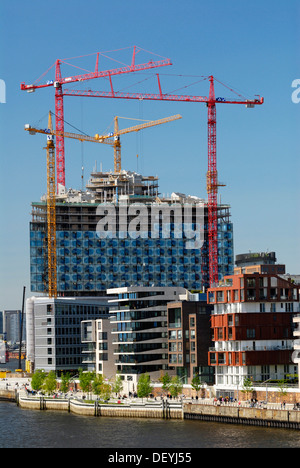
<point>243,415</point>
<point>96,409</point>
<point>7,395</point>
<point>281,418</point>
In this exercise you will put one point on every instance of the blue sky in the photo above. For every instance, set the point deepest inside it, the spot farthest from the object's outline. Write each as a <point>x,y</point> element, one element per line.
<point>251,45</point>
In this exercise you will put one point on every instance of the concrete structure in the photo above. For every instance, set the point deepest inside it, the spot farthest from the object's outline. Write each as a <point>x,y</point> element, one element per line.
<point>89,264</point>
<point>252,330</point>
<point>54,331</point>
<point>263,262</point>
<point>189,335</point>
<point>296,354</point>
<point>140,331</point>
<point>99,355</point>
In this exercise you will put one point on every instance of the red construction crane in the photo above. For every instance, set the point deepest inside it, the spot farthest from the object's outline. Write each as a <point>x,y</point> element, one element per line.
<point>59,102</point>
<point>212,175</point>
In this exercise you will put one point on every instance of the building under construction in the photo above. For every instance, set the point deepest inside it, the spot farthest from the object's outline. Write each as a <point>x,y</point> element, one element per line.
<point>88,263</point>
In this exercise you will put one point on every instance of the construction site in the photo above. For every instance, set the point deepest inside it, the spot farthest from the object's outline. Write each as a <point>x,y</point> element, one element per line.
<point>66,256</point>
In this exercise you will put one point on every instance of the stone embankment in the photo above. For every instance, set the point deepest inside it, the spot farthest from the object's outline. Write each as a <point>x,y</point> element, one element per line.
<point>266,417</point>
<point>231,414</point>
<point>159,410</point>
<point>7,395</point>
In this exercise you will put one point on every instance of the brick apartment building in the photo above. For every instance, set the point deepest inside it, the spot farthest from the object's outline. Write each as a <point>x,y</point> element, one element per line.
<point>252,325</point>
<point>189,338</point>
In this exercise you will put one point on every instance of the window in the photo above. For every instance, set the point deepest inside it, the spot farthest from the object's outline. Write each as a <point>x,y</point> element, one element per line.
<point>251,282</point>
<point>220,296</point>
<point>103,357</point>
<point>173,359</point>
<point>175,318</point>
<point>192,321</point>
<point>102,336</point>
<point>173,347</point>
<point>102,346</point>
<point>250,332</point>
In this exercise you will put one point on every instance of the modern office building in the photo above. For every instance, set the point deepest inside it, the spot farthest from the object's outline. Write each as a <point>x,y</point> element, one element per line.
<point>140,332</point>
<point>252,326</point>
<point>99,355</point>
<point>147,240</point>
<point>54,331</point>
<point>189,336</point>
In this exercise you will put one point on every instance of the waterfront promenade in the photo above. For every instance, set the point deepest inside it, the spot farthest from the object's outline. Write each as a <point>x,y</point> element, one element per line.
<point>244,413</point>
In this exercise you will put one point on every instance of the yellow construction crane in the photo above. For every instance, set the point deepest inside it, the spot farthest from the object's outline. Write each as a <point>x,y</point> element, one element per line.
<point>112,139</point>
<point>51,212</point>
<point>117,133</point>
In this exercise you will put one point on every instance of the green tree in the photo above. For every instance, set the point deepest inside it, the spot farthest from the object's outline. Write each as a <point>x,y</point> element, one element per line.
<point>106,391</point>
<point>196,383</point>
<point>282,388</point>
<point>247,386</point>
<point>166,382</point>
<point>144,387</point>
<point>176,386</point>
<point>85,380</point>
<point>38,380</point>
<point>50,383</point>
<point>65,382</point>
<point>97,384</point>
<point>118,385</point>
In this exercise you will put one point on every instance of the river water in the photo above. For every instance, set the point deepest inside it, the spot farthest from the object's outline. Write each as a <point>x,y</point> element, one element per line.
<point>20,428</point>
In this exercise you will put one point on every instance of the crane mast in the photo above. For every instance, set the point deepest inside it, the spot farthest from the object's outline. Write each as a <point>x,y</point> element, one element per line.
<point>212,186</point>
<point>51,213</point>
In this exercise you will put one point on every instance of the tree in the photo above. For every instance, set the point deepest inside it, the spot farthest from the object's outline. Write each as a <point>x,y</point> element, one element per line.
<point>144,387</point>
<point>247,386</point>
<point>50,383</point>
<point>97,384</point>
<point>118,385</point>
<point>86,379</point>
<point>166,381</point>
<point>282,388</point>
<point>38,380</point>
<point>65,382</point>
<point>196,383</point>
<point>176,386</point>
<point>106,391</point>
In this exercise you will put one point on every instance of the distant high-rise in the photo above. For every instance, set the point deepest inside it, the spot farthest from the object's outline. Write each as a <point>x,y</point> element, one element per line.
<point>11,325</point>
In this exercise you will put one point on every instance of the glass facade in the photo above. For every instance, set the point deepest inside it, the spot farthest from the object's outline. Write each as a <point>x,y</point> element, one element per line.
<point>89,265</point>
